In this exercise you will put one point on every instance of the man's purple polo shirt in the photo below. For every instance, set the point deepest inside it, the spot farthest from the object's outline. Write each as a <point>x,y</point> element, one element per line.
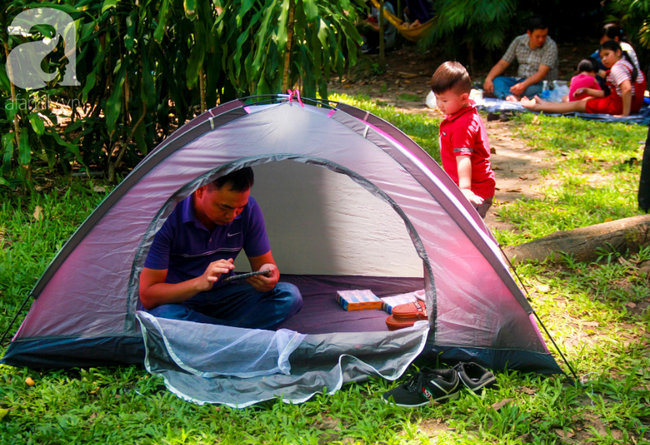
<point>185,247</point>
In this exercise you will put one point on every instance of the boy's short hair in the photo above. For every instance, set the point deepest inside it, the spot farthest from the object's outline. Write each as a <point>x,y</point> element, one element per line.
<point>536,22</point>
<point>588,65</point>
<point>451,75</point>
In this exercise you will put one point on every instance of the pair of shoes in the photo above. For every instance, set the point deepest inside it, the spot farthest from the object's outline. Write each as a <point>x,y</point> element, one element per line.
<point>475,377</point>
<point>427,385</point>
<point>440,385</point>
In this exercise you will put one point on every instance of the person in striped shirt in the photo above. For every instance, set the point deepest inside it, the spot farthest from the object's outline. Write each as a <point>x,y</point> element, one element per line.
<point>626,84</point>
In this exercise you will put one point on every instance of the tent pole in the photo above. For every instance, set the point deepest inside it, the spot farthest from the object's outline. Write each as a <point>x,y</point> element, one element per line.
<point>2,340</point>
<point>539,320</point>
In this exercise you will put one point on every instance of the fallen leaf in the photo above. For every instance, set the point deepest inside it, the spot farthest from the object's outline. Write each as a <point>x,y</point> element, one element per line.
<point>513,190</point>
<point>3,412</point>
<point>535,120</point>
<point>30,381</point>
<point>529,391</point>
<point>497,406</point>
<point>564,434</point>
<point>38,213</point>
<point>591,324</point>
<point>543,288</point>
<point>630,305</point>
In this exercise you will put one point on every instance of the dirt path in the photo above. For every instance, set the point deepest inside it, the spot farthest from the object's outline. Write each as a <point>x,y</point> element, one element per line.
<point>516,167</point>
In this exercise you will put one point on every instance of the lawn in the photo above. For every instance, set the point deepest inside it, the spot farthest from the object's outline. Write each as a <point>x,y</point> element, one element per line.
<point>598,314</point>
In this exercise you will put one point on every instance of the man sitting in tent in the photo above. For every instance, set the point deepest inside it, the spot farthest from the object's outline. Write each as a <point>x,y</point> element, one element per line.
<point>194,252</point>
<point>536,54</point>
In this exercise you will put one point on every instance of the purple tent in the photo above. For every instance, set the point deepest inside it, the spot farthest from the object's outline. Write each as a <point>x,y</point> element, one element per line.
<point>350,203</point>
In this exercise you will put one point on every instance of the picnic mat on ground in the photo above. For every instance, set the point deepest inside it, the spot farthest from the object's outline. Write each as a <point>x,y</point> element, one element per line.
<point>497,105</point>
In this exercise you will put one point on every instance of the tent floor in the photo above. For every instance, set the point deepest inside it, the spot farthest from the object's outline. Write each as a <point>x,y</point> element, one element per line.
<point>322,314</point>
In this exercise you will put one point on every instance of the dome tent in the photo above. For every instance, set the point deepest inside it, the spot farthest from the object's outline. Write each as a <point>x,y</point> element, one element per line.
<point>350,202</point>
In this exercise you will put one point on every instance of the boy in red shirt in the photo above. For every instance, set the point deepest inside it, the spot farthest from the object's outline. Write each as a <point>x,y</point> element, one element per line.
<point>464,146</point>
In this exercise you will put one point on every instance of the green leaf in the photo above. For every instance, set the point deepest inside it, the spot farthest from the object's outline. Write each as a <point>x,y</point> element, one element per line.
<point>283,25</point>
<point>323,34</point>
<point>71,147</point>
<point>5,83</point>
<point>37,123</point>
<point>162,22</point>
<point>261,36</point>
<point>114,103</point>
<point>191,10</point>
<point>86,31</point>
<point>8,154</point>
<point>129,38</point>
<point>90,83</point>
<point>8,142</point>
<point>11,108</point>
<point>246,5</point>
<point>24,150</point>
<point>108,4</point>
<point>194,65</point>
<point>311,9</point>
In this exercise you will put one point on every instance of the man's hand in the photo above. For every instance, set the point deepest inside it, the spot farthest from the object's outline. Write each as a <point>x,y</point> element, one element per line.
<point>488,86</point>
<point>471,197</point>
<point>518,89</point>
<point>265,283</point>
<point>213,272</point>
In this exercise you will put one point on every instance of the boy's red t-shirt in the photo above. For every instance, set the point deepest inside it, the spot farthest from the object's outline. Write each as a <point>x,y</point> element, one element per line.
<point>461,134</point>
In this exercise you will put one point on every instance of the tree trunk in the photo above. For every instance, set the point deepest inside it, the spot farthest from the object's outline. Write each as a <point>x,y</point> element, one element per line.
<point>382,43</point>
<point>644,180</point>
<point>587,243</point>
<point>13,96</point>
<point>202,90</point>
<point>287,53</point>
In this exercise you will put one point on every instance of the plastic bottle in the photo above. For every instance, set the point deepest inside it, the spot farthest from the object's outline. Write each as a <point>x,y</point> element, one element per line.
<point>546,93</point>
<point>558,91</point>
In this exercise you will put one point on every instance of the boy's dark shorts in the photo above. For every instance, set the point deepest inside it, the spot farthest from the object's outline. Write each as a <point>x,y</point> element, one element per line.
<point>482,209</point>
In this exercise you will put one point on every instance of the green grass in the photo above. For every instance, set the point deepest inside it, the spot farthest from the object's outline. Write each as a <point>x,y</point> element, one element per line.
<point>593,180</point>
<point>410,97</point>
<point>594,311</point>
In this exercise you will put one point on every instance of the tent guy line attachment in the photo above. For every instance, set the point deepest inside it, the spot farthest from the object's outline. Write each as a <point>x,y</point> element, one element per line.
<point>557,348</point>
<point>295,92</point>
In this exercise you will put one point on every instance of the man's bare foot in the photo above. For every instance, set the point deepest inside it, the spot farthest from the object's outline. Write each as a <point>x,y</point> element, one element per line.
<point>530,104</point>
<point>512,98</point>
<point>541,101</point>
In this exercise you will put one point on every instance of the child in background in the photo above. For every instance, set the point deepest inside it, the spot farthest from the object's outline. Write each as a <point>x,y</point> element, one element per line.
<point>586,78</point>
<point>464,146</point>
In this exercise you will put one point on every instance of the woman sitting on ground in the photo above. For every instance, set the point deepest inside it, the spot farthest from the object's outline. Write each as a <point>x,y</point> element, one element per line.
<point>625,82</point>
<point>611,31</point>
